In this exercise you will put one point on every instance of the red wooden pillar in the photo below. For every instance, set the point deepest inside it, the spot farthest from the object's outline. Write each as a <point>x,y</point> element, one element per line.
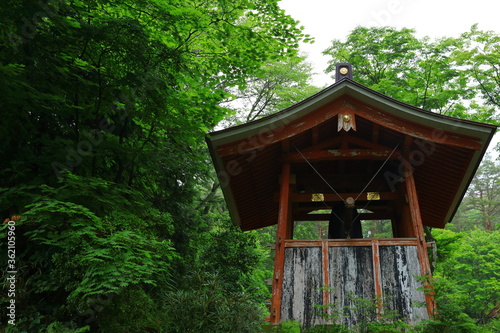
<point>377,278</point>
<point>284,232</point>
<point>418,228</point>
<point>326,273</point>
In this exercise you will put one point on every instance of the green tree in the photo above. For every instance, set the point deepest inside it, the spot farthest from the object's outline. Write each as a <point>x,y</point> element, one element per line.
<point>480,57</point>
<point>378,54</point>
<point>278,85</point>
<point>105,110</point>
<point>468,274</point>
<point>394,62</point>
<point>481,204</point>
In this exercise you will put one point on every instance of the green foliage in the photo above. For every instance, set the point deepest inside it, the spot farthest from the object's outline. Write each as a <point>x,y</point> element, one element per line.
<point>310,230</point>
<point>494,325</point>
<point>319,229</point>
<point>367,318</point>
<point>57,327</point>
<point>105,106</point>
<point>420,72</point>
<point>377,229</point>
<point>288,326</point>
<point>111,89</point>
<point>481,205</point>
<point>467,278</point>
<point>71,255</point>
<point>146,317</point>
<point>277,85</point>
<point>451,316</point>
<point>376,54</point>
<point>224,255</point>
<point>209,307</point>
<point>238,261</point>
<point>480,57</point>
<point>242,261</point>
<point>448,242</point>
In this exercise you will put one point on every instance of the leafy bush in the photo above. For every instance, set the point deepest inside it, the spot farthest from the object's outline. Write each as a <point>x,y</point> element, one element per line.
<point>132,310</point>
<point>208,307</point>
<point>468,279</point>
<point>76,250</point>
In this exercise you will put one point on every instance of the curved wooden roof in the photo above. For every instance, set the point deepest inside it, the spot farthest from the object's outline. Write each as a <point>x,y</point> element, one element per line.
<point>444,153</point>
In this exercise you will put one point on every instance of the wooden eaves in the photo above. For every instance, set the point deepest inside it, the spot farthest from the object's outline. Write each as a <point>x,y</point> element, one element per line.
<point>248,157</point>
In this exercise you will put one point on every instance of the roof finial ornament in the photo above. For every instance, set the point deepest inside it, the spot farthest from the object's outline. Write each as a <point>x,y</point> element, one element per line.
<point>343,70</point>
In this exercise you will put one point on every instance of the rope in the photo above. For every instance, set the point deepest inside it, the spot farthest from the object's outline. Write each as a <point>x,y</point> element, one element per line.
<point>326,205</point>
<point>367,203</point>
<point>368,184</point>
<point>317,172</point>
<point>378,171</point>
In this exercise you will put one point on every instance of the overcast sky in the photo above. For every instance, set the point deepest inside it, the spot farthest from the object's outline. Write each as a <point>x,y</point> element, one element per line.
<point>329,19</point>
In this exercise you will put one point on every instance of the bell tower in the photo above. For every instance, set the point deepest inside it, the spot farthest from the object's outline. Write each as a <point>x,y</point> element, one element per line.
<point>346,155</point>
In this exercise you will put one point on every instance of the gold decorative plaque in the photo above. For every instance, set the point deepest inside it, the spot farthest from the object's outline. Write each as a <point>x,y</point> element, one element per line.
<point>346,121</point>
<point>344,71</point>
<point>317,197</point>
<point>373,196</point>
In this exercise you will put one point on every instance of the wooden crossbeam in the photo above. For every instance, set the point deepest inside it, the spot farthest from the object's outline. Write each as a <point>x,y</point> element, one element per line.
<point>330,197</point>
<point>326,217</point>
<point>341,154</point>
<point>338,140</point>
<point>352,242</point>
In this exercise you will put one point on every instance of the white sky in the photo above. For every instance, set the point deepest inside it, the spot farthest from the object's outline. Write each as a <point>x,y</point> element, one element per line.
<point>329,19</point>
<point>326,20</point>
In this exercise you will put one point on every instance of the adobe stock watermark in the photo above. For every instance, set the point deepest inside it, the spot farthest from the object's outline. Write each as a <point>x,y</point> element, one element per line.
<point>384,16</point>
<point>11,269</point>
<point>250,148</point>
<point>30,26</point>
<point>416,158</point>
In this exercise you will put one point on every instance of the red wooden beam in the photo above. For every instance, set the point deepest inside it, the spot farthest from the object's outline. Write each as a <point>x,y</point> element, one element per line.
<point>323,144</point>
<point>401,125</point>
<point>326,217</point>
<point>377,277</point>
<point>341,154</point>
<point>352,242</point>
<point>330,197</point>
<point>288,129</point>
<point>326,274</point>
<point>283,226</point>
<point>421,244</point>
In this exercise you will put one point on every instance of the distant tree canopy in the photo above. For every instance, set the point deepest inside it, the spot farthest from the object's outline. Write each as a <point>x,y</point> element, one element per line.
<point>446,75</point>
<point>278,85</point>
<point>480,207</point>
